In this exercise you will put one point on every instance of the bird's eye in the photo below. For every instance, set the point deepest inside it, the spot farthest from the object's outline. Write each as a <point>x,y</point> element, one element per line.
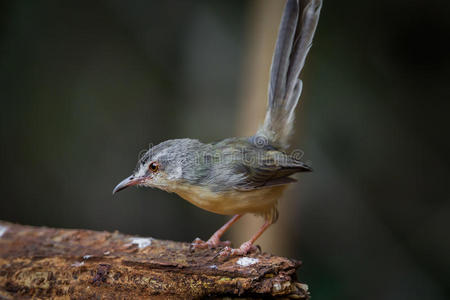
<point>153,167</point>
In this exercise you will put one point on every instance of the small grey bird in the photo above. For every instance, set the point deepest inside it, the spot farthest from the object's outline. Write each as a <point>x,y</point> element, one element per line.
<point>241,175</point>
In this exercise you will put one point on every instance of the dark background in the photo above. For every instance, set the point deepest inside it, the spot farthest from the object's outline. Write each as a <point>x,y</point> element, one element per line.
<point>86,85</point>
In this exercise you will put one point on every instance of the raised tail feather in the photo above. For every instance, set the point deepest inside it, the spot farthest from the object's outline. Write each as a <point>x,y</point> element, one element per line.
<point>295,37</point>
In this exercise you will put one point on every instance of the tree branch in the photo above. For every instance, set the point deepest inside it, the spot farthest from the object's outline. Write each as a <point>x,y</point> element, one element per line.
<point>48,262</point>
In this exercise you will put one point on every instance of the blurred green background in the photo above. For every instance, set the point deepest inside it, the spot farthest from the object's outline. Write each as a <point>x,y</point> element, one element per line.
<point>86,85</point>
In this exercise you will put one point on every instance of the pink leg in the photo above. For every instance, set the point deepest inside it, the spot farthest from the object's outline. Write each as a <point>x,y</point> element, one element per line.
<point>214,240</point>
<point>247,246</point>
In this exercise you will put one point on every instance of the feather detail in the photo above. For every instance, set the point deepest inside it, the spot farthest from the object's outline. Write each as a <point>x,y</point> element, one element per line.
<point>295,36</point>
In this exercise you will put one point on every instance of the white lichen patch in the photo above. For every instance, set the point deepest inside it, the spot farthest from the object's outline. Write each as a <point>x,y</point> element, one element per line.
<point>3,230</point>
<point>86,257</point>
<point>247,261</point>
<point>77,264</point>
<point>141,242</point>
<point>276,287</point>
<point>213,267</point>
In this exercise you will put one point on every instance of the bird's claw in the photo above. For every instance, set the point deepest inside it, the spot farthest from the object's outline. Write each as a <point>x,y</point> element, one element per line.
<point>209,244</point>
<point>245,248</point>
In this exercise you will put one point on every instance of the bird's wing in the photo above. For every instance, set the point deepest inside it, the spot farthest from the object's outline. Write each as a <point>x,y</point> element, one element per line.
<point>242,164</point>
<point>273,169</point>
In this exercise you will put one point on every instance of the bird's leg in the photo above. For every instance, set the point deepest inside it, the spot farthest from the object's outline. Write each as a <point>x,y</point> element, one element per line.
<point>214,240</point>
<point>248,245</point>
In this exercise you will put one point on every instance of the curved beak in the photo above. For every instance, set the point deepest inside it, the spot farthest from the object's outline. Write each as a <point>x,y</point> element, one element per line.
<point>129,181</point>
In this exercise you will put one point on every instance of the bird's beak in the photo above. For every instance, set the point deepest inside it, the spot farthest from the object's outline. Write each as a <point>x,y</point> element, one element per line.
<point>129,181</point>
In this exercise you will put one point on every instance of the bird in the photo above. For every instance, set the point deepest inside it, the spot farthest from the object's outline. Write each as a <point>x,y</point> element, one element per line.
<point>241,175</point>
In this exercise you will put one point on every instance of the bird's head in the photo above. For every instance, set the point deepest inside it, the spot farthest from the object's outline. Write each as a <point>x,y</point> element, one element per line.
<point>160,167</point>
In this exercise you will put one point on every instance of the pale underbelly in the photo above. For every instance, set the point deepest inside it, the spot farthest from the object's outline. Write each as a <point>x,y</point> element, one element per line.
<point>232,202</point>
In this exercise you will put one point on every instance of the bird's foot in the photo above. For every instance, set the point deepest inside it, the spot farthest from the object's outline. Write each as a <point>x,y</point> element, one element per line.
<point>209,244</point>
<point>245,248</point>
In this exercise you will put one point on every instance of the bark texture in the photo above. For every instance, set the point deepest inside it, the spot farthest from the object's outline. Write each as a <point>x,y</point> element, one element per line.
<point>46,262</point>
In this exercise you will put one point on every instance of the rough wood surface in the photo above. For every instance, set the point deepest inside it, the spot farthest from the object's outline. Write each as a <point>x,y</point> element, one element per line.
<point>46,262</point>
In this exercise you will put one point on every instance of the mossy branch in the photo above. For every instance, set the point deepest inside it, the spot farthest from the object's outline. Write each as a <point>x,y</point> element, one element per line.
<point>47,262</point>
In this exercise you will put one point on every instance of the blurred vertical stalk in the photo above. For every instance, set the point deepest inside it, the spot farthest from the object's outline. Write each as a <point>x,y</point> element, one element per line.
<point>262,28</point>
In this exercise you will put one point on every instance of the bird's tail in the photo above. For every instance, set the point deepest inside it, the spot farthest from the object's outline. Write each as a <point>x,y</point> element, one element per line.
<point>295,37</point>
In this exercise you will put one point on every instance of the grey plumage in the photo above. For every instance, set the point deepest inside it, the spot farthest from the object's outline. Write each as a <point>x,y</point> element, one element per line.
<point>234,163</point>
<point>295,37</point>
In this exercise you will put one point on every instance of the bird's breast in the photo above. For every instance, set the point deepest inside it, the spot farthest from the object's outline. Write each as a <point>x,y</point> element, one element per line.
<point>231,201</point>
